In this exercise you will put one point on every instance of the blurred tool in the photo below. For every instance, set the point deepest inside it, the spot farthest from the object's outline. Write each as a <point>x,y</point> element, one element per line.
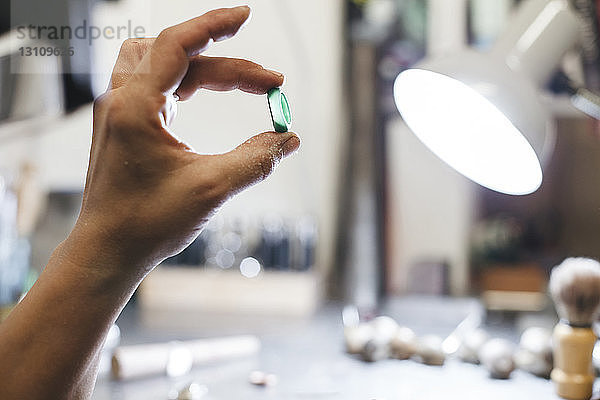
<point>582,98</point>
<point>535,352</point>
<point>473,320</point>
<point>177,358</point>
<point>496,356</point>
<point>575,289</point>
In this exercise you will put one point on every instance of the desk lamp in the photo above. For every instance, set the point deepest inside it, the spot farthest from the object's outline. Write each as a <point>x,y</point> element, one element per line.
<point>482,113</point>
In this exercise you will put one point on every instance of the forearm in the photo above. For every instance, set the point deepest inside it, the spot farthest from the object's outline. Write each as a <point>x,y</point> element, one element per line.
<point>52,338</point>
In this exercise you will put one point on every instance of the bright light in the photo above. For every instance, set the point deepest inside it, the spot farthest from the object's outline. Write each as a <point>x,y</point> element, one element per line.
<point>467,132</point>
<point>250,267</point>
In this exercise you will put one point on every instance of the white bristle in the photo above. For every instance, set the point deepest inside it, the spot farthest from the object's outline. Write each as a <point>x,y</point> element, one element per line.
<point>575,288</point>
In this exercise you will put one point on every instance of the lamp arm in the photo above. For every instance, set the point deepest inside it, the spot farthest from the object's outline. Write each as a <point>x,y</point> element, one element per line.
<point>582,98</point>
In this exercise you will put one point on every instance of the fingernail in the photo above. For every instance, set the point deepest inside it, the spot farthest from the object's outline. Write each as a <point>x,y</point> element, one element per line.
<point>291,145</point>
<point>248,18</point>
<point>279,75</point>
<point>247,8</point>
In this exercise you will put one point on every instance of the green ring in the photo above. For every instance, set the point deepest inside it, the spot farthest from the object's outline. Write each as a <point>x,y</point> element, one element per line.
<point>280,110</point>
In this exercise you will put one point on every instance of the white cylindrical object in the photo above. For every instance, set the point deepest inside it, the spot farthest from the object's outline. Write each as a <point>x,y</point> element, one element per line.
<point>446,26</point>
<point>212,350</point>
<point>130,362</point>
<point>538,37</point>
<point>488,20</point>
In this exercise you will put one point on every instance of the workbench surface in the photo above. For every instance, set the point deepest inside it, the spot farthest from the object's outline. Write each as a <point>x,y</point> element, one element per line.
<point>309,360</point>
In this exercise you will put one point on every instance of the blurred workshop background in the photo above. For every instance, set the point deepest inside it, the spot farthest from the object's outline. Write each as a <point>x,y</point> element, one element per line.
<point>364,215</point>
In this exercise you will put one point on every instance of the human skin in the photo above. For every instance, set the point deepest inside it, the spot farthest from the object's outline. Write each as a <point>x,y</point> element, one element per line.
<point>147,196</point>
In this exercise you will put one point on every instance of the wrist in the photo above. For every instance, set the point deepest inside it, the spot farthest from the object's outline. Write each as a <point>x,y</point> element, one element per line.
<point>94,255</point>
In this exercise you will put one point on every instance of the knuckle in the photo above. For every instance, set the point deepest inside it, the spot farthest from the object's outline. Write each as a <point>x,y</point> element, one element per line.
<point>167,35</point>
<point>129,47</point>
<point>127,44</point>
<point>133,48</point>
<point>115,108</point>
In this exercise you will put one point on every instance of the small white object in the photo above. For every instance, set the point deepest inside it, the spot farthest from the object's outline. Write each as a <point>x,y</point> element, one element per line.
<point>497,357</point>
<point>404,343</point>
<point>378,346</point>
<point>537,340</point>
<point>357,336</point>
<point>260,378</point>
<point>180,360</point>
<point>471,344</point>
<point>535,352</point>
<point>350,316</point>
<point>375,349</point>
<point>193,391</point>
<point>385,328</point>
<point>430,350</point>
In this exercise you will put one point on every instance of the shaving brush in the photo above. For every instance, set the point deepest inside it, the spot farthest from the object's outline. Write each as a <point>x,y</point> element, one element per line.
<point>575,289</point>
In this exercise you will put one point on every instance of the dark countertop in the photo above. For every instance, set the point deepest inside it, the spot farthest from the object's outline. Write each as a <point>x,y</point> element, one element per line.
<point>309,360</point>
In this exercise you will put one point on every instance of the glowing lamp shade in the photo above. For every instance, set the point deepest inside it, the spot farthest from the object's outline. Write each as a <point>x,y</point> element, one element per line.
<point>482,113</point>
<point>467,131</point>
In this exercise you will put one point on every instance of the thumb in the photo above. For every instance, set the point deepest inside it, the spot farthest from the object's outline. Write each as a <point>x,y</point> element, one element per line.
<point>254,160</point>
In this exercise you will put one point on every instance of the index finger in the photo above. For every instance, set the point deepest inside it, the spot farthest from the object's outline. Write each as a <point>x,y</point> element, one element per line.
<point>167,62</point>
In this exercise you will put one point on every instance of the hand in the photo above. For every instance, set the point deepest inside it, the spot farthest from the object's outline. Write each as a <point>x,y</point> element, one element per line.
<point>148,194</point>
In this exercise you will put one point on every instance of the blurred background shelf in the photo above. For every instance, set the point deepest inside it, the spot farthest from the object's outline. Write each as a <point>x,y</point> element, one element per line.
<point>181,289</point>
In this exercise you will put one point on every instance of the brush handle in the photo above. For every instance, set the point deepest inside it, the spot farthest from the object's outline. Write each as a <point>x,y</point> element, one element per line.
<point>573,372</point>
